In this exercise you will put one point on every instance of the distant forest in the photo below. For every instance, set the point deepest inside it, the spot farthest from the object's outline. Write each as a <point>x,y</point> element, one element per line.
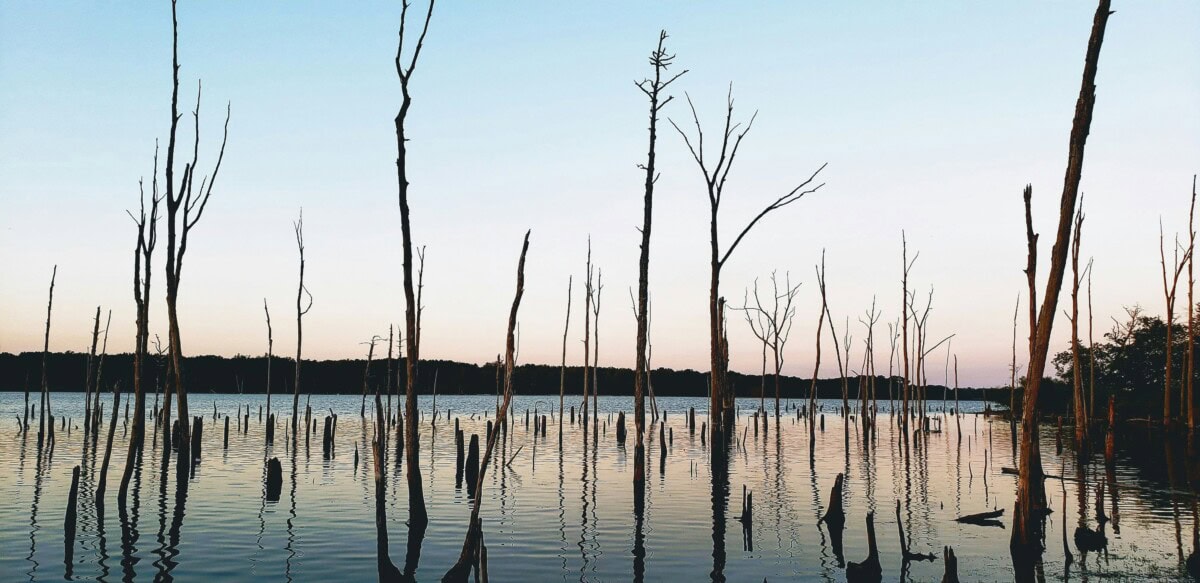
<point>219,374</point>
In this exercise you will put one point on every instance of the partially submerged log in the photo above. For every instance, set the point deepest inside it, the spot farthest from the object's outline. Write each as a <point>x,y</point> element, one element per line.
<point>983,518</point>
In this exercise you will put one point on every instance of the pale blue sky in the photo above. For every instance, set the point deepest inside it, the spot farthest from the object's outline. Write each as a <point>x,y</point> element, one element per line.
<point>932,117</point>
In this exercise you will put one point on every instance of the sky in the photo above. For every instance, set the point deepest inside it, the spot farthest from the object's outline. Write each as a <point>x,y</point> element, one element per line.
<point>932,117</point>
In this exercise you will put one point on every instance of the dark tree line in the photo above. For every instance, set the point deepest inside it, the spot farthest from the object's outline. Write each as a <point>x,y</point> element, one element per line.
<point>219,374</point>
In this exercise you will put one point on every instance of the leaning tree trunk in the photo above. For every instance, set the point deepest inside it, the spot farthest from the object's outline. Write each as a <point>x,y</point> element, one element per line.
<point>44,405</point>
<point>458,573</point>
<point>1030,489</point>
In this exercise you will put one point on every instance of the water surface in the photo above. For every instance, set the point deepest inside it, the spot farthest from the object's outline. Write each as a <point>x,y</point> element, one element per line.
<point>566,513</point>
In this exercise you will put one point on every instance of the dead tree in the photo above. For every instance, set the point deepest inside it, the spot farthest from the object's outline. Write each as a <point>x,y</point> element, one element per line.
<point>44,403</point>
<point>1080,403</point>
<point>721,404</point>
<point>367,377</point>
<point>87,383</point>
<point>185,207</point>
<point>596,353</point>
<point>1189,369</point>
<point>112,427</point>
<point>1031,495</point>
<point>562,371</point>
<point>774,323</point>
<point>587,333</point>
<point>867,386</point>
<point>417,514</point>
<point>904,304</point>
<point>270,355</point>
<point>470,548</point>
<point>653,88</point>
<point>147,239</point>
<point>391,384</point>
<point>812,393</point>
<point>301,309</point>
<point>1177,266</point>
<point>1012,385</point>
<point>837,348</point>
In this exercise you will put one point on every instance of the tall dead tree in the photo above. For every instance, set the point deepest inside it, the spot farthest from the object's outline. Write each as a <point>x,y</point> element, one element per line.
<point>721,405</point>
<point>1031,494</point>
<point>185,207</point>
<point>1176,268</point>
<point>1012,384</point>
<point>417,514</point>
<point>660,60</point>
<point>587,333</point>
<point>1189,369</point>
<point>270,354</point>
<point>774,322</point>
<point>1079,401</point>
<point>470,550</point>
<point>367,375</point>
<point>562,371</point>
<point>87,383</point>
<point>44,403</point>
<point>904,309</point>
<point>143,253</point>
<point>596,351</point>
<point>301,310</point>
<point>812,393</point>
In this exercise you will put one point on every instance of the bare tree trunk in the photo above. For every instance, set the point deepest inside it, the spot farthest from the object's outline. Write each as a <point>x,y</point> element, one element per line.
<point>301,310</point>
<point>182,197</point>
<point>1191,334</point>
<point>112,426</point>
<point>562,371</point>
<point>417,514</point>
<point>1177,266</point>
<point>44,404</point>
<point>142,270</point>
<point>270,355</point>
<point>721,401</point>
<point>596,354</point>
<point>812,393</point>
<point>471,542</point>
<point>587,333</point>
<point>1030,489</point>
<point>87,383</point>
<point>904,303</point>
<point>1079,402</point>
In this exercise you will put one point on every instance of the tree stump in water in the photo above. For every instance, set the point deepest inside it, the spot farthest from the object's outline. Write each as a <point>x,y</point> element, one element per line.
<point>226,443</point>
<point>472,468</point>
<point>692,420</point>
<point>458,455</point>
<point>197,431</point>
<point>274,479</point>
<point>621,428</point>
<point>835,516</point>
<point>327,438</point>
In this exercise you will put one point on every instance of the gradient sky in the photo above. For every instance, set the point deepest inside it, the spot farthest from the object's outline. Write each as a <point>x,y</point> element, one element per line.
<point>932,117</point>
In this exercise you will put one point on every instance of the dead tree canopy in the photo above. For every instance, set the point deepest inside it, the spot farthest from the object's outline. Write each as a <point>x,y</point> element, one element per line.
<point>715,174</point>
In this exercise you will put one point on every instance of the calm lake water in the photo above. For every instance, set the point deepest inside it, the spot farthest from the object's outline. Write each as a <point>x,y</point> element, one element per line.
<point>566,514</point>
